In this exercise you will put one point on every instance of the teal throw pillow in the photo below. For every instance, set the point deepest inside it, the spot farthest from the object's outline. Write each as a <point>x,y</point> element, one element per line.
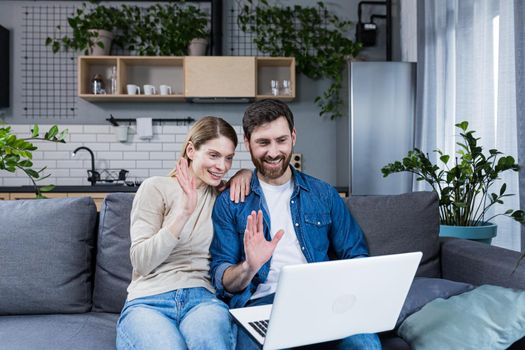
<point>488,317</point>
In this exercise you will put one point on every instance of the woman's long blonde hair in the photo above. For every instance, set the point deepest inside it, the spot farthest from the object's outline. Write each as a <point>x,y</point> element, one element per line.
<point>206,129</point>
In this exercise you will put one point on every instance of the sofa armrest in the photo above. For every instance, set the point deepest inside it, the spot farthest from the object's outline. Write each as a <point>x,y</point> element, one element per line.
<point>479,263</point>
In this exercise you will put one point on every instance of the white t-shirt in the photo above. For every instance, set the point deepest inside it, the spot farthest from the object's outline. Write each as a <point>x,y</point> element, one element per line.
<point>288,251</point>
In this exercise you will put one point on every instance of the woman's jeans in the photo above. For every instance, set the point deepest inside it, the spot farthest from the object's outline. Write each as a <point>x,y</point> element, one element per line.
<point>190,318</point>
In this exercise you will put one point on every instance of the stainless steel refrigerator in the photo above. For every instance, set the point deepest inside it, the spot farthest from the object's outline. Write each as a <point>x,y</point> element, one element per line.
<point>381,124</point>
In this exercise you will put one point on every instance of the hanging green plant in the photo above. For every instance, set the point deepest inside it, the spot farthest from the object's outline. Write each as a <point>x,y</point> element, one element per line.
<point>163,29</point>
<point>316,38</point>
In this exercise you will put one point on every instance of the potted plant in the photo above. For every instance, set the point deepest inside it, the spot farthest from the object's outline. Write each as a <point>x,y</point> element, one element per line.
<point>317,39</point>
<point>163,29</point>
<point>16,153</point>
<point>92,31</point>
<point>464,185</point>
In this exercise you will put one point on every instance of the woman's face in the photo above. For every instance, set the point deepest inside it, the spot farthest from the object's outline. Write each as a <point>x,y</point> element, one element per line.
<point>211,161</point>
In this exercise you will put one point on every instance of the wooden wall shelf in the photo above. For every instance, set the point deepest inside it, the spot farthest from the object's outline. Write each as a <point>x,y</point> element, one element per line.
<point>190,77</point>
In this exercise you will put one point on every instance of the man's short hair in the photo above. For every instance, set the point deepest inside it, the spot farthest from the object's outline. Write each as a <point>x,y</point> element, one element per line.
<point>263,112</point>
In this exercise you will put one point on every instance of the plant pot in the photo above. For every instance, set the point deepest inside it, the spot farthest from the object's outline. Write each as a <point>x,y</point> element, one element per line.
<point>105,37</point>
<point>197,47</point>
<point>483,233</point>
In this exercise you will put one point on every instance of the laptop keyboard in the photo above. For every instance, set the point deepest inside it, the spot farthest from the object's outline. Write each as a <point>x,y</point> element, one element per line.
<point>260,326</point>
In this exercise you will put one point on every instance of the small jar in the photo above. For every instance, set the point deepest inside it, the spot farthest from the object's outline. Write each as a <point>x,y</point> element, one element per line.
<point>97,85</point>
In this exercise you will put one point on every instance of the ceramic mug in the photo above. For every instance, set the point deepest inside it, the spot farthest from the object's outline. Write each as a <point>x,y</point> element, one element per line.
<point>165,90</point>
<point>150,90</point>
<point>133,89</point>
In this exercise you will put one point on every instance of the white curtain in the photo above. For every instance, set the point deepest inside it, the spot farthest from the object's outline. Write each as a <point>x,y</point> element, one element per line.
<point>466,71</point>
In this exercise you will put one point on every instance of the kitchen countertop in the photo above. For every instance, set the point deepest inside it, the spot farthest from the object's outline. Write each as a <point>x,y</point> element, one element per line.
<point>73,189</point>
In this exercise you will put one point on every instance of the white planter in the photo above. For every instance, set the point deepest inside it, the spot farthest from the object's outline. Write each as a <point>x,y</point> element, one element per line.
<point>105,37</point>
<point>197,47</point>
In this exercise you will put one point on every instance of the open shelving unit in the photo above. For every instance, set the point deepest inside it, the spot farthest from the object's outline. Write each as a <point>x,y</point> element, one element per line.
<point>189,77</point>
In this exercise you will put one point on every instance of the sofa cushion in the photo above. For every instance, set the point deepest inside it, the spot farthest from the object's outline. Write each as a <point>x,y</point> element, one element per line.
<point>399,224</point>
<point>488,317</point>
<point>45,255</point>
<point>88,331</point>
<point>423,290</point>
<point>113,269</point>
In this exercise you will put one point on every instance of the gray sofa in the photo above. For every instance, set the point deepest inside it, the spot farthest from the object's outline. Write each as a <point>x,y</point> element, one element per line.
<point>64,269</point>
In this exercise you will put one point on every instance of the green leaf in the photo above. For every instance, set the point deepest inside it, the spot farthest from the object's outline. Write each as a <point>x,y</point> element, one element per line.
<point>34,131</point>
<point>463,125</point>
<point>46,188</point>
<point>32,173</point>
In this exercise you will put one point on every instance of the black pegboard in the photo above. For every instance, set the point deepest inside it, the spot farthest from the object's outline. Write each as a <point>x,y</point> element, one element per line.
<point>48,80</point>
<point>241,43</point>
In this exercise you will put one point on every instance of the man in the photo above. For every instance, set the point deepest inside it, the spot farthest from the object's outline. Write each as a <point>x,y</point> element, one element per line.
<point>288,218</point>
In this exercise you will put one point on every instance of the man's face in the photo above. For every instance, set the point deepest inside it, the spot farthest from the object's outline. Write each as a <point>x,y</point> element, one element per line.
<point>271,146</point>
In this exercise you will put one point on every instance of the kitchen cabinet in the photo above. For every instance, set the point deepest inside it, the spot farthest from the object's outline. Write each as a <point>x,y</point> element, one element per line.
<point>191,78</point>
<point>208,76</point>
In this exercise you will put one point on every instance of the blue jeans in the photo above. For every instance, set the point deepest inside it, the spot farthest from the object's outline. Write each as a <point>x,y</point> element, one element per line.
<point>354,342</point>
<point>190,318</point>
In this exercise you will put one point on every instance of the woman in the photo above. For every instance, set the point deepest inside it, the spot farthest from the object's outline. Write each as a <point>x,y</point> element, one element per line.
<point>171,304</point>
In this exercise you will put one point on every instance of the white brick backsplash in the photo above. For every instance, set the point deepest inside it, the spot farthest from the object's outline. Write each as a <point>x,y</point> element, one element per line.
<point>83,137</point>
<point>142,158</point>
<point>78,173</point>
<point>123,164</point>
<point>149,147</point>
<point>180,138</point>
<point>109,155</point>
<point>77,163</point>
<point>122,147</point>
<point>57,172</point>
<point>169,164</point>
<point>159,172</point>
<point>16,181</point>
<point>106,138</point>
<point>163,138</point>
<point>72,129</point>
<point>175,129</point>
<point>57,155</point>
<point>39,164</point>
<point>171,146</point>
<point>162,155</point>
<point>136,155</point>
<point>149,164</point>
<point>96,129</point>
<point>95,147</point>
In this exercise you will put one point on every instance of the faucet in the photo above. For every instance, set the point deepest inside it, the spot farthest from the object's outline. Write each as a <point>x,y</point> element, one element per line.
<point>94,174</point>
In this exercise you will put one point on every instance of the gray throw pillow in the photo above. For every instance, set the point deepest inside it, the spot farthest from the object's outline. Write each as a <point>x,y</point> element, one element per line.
<point>402,223</point>
<point>113,270</point>
<point>45,255</point>
<point>423,290</point>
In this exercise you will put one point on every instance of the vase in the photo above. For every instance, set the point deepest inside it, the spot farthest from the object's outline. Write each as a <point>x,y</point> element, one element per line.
<point>197,47</point>
<point>481,233</point>
<point>103,37</point>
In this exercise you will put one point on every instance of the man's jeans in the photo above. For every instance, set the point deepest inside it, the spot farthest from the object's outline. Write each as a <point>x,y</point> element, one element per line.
<point>191,318</point>
<point>355,342</point>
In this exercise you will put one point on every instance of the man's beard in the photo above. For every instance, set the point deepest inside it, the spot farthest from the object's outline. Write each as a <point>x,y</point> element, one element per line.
<point>272,173</point>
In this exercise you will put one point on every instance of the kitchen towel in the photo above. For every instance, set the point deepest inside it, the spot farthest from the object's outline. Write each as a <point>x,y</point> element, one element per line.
<point>145,128</point>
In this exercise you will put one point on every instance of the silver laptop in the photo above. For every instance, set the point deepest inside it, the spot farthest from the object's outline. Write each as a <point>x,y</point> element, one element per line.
<point>332,300</point>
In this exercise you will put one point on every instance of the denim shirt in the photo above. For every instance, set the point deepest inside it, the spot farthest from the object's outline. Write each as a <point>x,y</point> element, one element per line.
<point>320,216</point>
